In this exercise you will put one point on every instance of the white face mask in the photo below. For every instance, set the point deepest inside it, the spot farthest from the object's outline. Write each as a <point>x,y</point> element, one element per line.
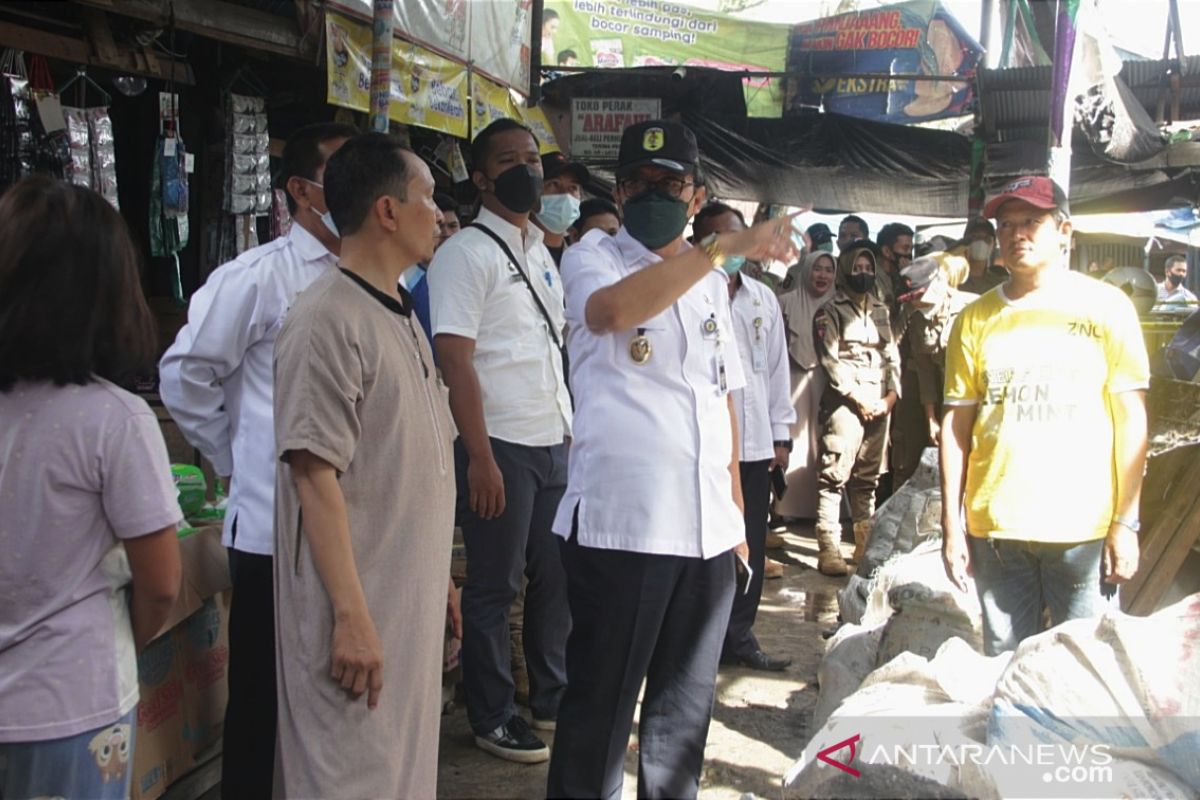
<point>979,251</point>
<point>559,212</point>
<point>327,216</point>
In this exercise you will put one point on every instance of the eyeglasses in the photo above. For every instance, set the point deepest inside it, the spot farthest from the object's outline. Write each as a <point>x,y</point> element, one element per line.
<point>674,186</point>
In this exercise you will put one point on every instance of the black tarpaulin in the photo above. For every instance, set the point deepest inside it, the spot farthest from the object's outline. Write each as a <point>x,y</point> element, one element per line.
<point>836,163</point>
<point>845,164</point>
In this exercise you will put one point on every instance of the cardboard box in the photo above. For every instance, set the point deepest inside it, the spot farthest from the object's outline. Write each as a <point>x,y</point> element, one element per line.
<point>182,673</point>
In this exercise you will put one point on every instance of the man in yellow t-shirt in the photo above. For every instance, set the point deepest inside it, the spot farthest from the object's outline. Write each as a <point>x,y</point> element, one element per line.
<point>1044,436</point>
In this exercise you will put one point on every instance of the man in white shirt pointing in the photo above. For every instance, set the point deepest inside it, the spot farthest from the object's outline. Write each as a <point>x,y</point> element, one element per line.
<point>216,381</point>
<point>652,512</point>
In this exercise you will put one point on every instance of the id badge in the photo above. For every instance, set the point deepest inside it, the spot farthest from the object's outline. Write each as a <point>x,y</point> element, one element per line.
<point>758,356</point>
<point>722,381</point>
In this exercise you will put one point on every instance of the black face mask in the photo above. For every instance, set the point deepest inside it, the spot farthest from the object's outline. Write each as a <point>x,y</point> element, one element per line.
<point>655,218</point>
<point>518,188</point>
<point>861,283</point>
<point>1174,280</point>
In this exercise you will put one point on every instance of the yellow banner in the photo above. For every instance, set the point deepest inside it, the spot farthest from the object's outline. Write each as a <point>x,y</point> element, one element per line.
<point>535,118</point>
<point>490,102</point>
<point>427,90</point>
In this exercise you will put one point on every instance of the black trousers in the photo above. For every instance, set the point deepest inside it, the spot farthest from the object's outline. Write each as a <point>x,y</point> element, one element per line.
<point>500,552</point>
<point>635,617</point>
<point>248,749</point>
<point>756,495</point>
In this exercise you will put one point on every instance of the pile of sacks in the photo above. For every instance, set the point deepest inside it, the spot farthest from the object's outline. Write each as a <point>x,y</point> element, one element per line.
<point>900,600</point>
<point>909,707</point>
<point>1101,707</point>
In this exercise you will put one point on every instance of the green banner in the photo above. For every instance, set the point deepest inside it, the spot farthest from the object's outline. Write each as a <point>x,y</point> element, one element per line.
<point>650,33</point>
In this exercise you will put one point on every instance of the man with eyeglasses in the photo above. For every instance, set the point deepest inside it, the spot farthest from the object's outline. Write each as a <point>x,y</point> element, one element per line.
<point>1044,436</point>
<point>652,514</point>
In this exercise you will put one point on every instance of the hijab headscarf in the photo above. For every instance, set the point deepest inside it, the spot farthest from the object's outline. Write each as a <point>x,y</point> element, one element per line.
<point>799,306</point>
<point>845,264</point>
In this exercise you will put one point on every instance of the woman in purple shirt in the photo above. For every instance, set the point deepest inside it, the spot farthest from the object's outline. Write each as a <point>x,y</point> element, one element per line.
<point>87,509</point>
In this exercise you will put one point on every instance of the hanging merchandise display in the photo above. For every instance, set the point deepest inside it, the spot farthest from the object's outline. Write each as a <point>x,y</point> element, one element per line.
<point>79,148</point>
<point>53,151</point>
<point>247,166</point>
<point>169,193</point>
<point>104,154</point>
<point>91,157</point>
<point>24,146</point>
<point>248,178</point>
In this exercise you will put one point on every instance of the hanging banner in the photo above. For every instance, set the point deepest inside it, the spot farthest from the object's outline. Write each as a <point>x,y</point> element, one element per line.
<point>427,89</point>
<point>489,102</point>
<point>491,35</point>
<point>500,34</point>
<point>598,122</point>
<point>913,38</point>
<point>535,118</point>
<point>652,33</point>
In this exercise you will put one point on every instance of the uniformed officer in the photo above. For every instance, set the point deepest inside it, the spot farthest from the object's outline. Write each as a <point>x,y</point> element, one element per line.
<point>653,509</point>
<point>929,302</point>
<point>856,348</point>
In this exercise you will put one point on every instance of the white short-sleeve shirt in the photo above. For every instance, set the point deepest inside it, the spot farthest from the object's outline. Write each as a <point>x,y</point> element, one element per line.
<point>649,466</point>
<point>476,292</point>
<point>764,407</point>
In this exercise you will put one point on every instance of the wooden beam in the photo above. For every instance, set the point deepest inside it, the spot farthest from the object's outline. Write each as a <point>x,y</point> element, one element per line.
<point>68,48</point>
<point>95,22</point>
<point>216,19</point>
<point>1171,501</point>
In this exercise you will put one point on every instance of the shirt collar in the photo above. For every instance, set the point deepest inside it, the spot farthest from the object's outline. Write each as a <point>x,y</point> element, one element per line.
<point>637,254</point>
<point>307,245</point>
<point>403,306</point>
<point>509,232</point>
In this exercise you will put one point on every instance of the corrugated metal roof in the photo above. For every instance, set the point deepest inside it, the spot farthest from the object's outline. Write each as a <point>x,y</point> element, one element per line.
<point>1020,97</point>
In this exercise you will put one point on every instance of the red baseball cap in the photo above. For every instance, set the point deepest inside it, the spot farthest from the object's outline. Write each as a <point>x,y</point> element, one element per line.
<point>1036,190</point>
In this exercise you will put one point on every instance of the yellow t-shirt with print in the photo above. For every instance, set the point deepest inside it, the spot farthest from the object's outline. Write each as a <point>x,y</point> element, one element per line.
<point>1041,371</point>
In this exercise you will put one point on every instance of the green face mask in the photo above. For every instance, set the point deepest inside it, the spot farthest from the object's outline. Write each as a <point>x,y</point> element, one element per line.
<point>655,218</point>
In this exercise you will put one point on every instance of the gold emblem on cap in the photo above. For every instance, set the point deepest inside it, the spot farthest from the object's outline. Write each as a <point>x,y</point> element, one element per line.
<point>653,139</point>
<point>640,349</point>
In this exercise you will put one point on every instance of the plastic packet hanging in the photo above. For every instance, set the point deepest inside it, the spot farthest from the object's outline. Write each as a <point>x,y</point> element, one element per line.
<point>104,154</point>
<point>262,204</point>
<point>245,104</point>
<point>244,164</point>
<point>78,167</point>
<point>244,184</point>
<point>77,127</point>
<point>241,203</point>
<point>245,124</point>
<point>245,143</point>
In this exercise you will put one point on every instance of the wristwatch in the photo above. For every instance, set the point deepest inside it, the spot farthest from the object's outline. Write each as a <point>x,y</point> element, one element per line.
<point>1131,524</point>
<point>786,444</point>
<point>713,250</point>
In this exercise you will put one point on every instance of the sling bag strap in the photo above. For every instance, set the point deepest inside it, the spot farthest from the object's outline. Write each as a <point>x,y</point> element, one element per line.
<point>554,332</point>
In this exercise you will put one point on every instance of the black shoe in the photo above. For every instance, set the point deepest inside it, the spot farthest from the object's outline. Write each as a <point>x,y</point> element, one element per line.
<point>514,741</point>
<point>760,661</point>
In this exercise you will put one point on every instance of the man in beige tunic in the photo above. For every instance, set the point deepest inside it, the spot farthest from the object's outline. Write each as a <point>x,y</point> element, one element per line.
<point>364,500</point>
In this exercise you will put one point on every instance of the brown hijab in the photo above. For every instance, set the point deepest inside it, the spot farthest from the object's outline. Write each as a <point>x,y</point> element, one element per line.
<point>799,306</point>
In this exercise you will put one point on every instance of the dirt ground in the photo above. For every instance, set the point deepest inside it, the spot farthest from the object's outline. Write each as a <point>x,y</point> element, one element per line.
<point>760,722</point>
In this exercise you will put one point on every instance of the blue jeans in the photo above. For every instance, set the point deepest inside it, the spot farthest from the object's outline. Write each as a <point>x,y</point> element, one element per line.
<point>97,764</point>
<point>1016,580</point>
